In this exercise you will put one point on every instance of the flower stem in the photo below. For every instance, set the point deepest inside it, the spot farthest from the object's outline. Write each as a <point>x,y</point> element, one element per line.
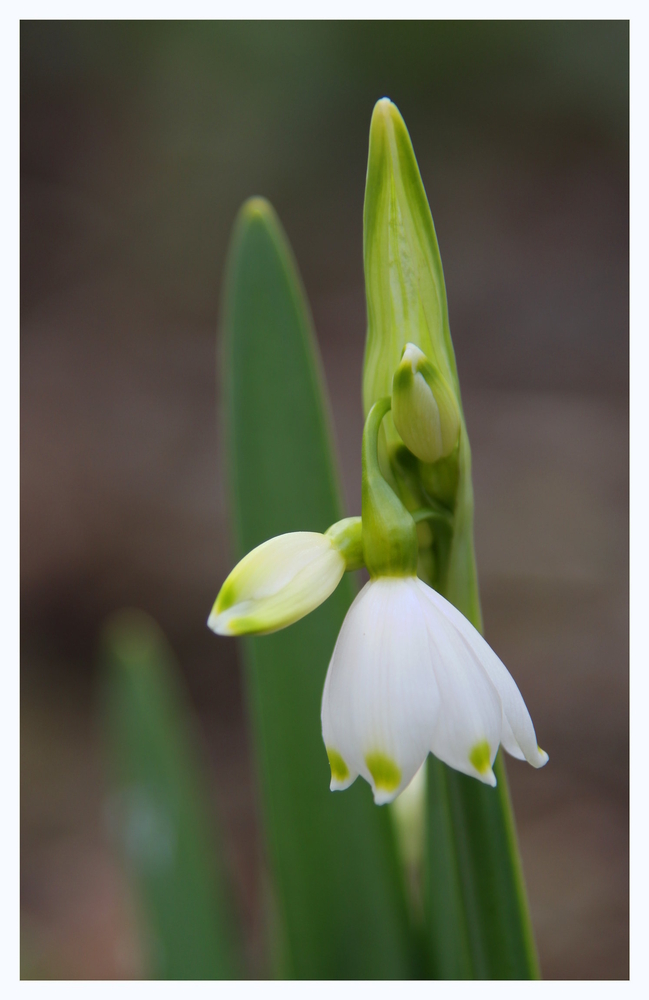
<point>436,512</point>
<point>390,545</point>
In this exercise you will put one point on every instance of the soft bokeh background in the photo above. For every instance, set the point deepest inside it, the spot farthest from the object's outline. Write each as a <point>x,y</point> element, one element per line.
<point>139,143</point>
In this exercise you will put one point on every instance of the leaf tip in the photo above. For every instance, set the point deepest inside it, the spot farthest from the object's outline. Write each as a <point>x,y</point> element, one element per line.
<point>132,638</point>
<point>256,207</point>
<point>257,211</point>
<point>386,116</point>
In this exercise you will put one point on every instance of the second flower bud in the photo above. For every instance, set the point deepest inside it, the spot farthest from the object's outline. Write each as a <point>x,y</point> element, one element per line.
<point>424,409</point>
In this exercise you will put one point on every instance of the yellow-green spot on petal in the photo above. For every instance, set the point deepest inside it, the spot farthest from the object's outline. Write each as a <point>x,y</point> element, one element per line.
<point>339,770</point>
<point>226,597</point>
<point>480,757</point>
<point>385,772</point>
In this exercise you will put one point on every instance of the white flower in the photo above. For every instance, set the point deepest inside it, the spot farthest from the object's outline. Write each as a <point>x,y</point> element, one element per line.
<point>278,583</point>
<point>410,674</point>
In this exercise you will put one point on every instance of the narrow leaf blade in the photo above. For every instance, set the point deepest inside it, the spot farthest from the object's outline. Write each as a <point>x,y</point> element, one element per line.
<point>338,885</point>
<point>159,806</point>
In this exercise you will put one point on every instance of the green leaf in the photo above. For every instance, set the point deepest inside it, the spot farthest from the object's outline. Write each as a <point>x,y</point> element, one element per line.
<point>478,923</point>
<point>339,891</point>
<point>159,807</point>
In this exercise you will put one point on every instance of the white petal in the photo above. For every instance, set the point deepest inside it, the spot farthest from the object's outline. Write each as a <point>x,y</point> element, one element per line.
<point>518,736</point>
<point>508,740</point>
<point>380,698</point>
<point>277,583</point>
<point>468,730</point>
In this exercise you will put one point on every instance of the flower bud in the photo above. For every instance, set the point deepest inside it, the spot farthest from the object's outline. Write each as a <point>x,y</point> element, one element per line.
<point>423,407</point>
<point>278,583</point>
<point>285,578</point>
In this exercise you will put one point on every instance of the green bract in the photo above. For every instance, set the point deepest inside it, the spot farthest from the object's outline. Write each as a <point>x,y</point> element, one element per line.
<point>406,304</point>
<point>404,281</point>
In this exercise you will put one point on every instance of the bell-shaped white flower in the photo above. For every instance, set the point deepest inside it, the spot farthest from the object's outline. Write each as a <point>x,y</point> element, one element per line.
<point>410,674</point>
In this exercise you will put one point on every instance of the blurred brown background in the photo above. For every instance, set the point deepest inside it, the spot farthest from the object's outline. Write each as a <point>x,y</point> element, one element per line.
<point>139,143</point>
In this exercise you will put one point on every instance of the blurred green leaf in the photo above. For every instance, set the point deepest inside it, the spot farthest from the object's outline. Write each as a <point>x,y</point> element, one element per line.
<point>340,895</point>
<point>478,924</point>
<point>159,809</point>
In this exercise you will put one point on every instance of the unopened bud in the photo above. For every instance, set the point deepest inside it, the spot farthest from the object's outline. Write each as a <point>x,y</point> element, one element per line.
<point>424,409</point>
<point>277,583</point>
<point>285,578</point>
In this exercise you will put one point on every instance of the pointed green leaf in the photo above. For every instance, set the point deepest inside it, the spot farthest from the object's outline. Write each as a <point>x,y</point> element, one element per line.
<point>478,924</point>
<point>159,807</point>
<point>339,894</point>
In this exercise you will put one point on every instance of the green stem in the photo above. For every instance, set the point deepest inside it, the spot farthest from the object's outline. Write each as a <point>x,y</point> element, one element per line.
<point>436,512</point>
<point>390,545</point>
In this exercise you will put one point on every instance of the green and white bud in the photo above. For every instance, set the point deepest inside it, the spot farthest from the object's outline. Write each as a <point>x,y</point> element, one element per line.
<point>424,409</point>
<point>285,578</point>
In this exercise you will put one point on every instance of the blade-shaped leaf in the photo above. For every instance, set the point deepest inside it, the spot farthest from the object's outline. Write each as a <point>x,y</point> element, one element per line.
<point>159,807</point>
<point>499,928</point>
<point>339,891</point>
<point>478,923</point>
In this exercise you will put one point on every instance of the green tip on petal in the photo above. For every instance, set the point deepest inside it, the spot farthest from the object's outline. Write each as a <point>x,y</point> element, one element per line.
<point>480,757</point>
<point>279,582</point>
<point>386,775</point>
<point>218,623</point>
<point>339,769</point>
